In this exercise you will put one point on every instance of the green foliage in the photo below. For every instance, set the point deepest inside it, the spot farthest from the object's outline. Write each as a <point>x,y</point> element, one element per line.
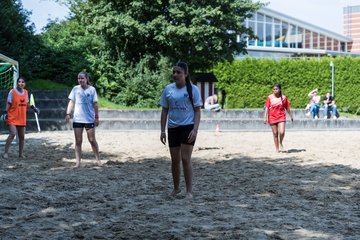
<point>127,46</point>
<point>15,29</point>
<point>198,32</point>
<point>68,51</point>
<point>135,85</point>
<point>247,82</point>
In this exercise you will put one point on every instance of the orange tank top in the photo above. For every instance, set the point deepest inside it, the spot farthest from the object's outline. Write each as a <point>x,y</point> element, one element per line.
<point>16,114</point>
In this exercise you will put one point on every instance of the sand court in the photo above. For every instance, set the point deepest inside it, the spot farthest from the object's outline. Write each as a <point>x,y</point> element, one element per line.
<point>242,188</point>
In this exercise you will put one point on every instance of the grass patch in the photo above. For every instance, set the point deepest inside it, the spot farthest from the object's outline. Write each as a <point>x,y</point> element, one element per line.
<point>349,115</point>
<point>104,103</point>
<point>40,84</point>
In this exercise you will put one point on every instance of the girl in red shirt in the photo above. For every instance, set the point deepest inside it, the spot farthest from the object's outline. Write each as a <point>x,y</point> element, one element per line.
<point>275,114</point>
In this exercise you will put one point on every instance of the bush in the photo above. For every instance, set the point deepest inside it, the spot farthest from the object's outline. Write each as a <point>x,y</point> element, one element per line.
<point>249,81</point>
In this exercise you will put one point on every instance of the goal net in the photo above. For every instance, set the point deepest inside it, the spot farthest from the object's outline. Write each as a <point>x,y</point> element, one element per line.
<point>6,76</point>
<point>9,73</point>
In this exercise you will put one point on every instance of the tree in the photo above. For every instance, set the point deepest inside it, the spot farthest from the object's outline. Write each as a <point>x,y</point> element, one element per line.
<point>15,28</point>
<point>141,39</point>
<point>67,51</point>
<point>16,34</point>
<point>200,32</point>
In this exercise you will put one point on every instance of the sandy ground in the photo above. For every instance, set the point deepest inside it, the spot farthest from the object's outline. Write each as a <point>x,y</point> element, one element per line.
<point>242,188</point>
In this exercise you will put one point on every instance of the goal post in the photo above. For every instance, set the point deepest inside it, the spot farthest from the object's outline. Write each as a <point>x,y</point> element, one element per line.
<point>9,72</point>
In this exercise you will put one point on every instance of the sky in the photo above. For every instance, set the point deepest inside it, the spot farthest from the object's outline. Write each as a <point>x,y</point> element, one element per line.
<point>327,14</point>
<point>43,10</point>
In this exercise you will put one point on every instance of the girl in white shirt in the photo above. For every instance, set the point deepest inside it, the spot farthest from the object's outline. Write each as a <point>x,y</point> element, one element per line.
<point>181,103</point>
<point>83,100</point>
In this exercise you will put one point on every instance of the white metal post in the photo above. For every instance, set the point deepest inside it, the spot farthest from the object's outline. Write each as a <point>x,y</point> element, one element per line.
<point>332,78</point>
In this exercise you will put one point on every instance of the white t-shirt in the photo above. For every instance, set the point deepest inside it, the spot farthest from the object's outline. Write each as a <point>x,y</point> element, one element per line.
<point>177,100</point>
<point>84,99</point>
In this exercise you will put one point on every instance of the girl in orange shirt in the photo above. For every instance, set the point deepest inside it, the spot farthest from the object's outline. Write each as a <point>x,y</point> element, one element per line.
<point>15,115</point>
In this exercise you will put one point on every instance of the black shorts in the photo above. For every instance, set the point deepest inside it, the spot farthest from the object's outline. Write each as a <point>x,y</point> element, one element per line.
<point>83,125</point>
<point>179,135</point>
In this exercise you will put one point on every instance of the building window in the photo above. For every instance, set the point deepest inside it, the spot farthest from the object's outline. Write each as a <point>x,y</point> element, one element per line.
<point>292,37</point>
<point>301,37</point>
<point>307,39</point>
<point>322,42</point>
<point>315,40</point>
<point>251,25</point>
<point>268,31</point>
<point>284,33</point>
<point>342,46</point>
<point>329,44</point>
<point>336,45</point>
<point>260,29</point>
<point>278,35</point>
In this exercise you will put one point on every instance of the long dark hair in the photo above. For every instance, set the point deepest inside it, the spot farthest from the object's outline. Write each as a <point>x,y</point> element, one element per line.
<point>278,85</point>
<point>185,67</point>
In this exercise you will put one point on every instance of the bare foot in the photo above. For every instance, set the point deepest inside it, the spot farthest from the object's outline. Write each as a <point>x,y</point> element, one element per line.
<point>189,195</point>
<point>77,165</point>
<point>281,148</point>
<point>175,192</point>
<point>99,163</point>
<point>5,155</point>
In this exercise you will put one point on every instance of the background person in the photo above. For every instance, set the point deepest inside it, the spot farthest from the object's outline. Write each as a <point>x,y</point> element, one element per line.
<point>83,101</point>
<point>329,105</point>
<point>181,104</point>
<point>276,107</point>
<point>314,103</point>
<point>15,115</point>
<point>211,103</point>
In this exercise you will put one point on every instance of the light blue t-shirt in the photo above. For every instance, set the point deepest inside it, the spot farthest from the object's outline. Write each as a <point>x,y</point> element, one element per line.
<point>84,99</point>
<point>177,100</point>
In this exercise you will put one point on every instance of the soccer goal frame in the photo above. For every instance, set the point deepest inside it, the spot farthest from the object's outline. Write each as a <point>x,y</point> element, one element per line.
<point>15,65</point>
<point>15,68</point>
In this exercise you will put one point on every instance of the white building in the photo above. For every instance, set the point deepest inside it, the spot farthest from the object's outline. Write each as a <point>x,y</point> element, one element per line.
<point>280,35</point>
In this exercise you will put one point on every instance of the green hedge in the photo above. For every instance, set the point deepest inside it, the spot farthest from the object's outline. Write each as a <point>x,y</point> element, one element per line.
<point>249,81</point>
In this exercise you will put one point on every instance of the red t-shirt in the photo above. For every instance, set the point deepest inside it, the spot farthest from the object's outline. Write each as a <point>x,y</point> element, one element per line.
<point>276,108</point>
